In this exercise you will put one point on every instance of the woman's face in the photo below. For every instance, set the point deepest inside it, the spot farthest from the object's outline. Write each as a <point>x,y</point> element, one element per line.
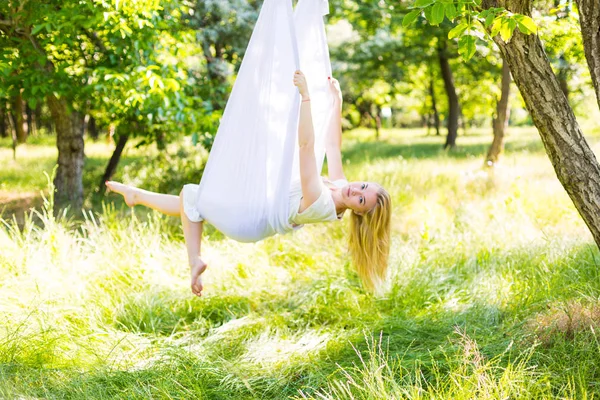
<point>360,196</point>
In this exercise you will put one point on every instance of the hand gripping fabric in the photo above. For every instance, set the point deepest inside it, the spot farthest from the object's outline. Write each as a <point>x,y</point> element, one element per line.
<point>244,191</point>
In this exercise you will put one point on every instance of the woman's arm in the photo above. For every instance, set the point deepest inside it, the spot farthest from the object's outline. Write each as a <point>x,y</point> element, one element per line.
<point>309,176</point>
<point>333,144</point>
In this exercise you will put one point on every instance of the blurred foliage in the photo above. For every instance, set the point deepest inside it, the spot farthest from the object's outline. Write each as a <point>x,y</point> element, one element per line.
<point>167,171</point>
<point>559,29</point>
<point>384,54</point>
<point>161,69</point>
<point>384,63</point>
<point>121,62</point>
<point>222,29</point>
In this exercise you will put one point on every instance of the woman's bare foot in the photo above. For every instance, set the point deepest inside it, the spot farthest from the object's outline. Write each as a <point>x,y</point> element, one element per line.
<point>129,193</point>
<point>197,268</point>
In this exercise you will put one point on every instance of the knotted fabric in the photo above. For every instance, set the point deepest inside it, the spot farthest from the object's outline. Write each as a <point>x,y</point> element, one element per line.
<point>245,188</point>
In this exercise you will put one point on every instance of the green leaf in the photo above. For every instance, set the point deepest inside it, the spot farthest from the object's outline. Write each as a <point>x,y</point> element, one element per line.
<point>437,14</point>
<point>489,19</point>
<point>526,23</point>
<point>424,3</point>
<point>410,17</point>
<point>457,30</point>
<point>450,11</point>
<point>523,28</point>
<point>505,31</point>
<point>427,11</point>
<point>496,27</point>
<point>466,47</point>
<point>37,28</point>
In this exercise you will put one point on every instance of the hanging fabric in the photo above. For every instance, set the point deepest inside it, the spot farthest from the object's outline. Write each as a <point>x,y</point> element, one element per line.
<point>245,188</point>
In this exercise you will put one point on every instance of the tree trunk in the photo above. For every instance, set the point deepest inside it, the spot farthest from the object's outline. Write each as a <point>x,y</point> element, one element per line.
<point>563,75</point>
<point>92,128</point>
<point>461,118</point>
<point>363,108</point>
<point>37,116</point>
<point>18,119</point>
<point>114,161</point>
<point>377,122</point>
<point>69,140</point>
<point>573,160</point>
<point>48,124</point>
<point>501,120</point>
<point>3,130</point>
<point>13,129</point>
<point>453,108</point>
<point>563,82</point>
<point>30,123</point>
<point>436,115</point>
<point>589,18</point>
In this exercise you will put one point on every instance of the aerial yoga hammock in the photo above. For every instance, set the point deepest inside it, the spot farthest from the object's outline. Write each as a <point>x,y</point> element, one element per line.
<point>251,187</point>
<point>253,164</point>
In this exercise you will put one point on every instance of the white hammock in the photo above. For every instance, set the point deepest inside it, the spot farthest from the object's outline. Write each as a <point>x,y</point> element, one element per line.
<point>245,188</point>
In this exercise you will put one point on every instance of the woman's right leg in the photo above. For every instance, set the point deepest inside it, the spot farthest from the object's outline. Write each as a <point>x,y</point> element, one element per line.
<point>164,203</point>
<point>192,233</point>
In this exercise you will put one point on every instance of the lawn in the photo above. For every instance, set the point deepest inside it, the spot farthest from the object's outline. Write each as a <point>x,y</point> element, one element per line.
<point>494,288</point>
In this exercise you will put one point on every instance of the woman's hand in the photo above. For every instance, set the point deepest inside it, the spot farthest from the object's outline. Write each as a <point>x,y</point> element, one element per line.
<point>336,92</point>
<point>300,82</point>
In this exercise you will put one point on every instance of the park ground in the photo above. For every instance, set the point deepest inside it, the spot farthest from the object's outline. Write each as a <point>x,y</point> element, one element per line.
<point>493,293</point>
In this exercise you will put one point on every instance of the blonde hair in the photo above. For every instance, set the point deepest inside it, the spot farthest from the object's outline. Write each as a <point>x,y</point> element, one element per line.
<point>369,241</point>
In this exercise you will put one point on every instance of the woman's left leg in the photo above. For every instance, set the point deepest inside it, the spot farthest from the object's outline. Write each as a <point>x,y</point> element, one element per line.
<point>167,204</point>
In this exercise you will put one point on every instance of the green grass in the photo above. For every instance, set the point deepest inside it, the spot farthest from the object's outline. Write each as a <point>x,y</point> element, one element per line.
<point>493,292</point>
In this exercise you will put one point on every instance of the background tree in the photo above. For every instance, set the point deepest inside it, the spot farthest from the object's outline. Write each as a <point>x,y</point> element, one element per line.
<point>222,29</point>
<point>563,44</point>
<point>500,121</point>
<point>116,60</point>
<point>509,24</point>
<point>589,18</point>
<point>418,47</point>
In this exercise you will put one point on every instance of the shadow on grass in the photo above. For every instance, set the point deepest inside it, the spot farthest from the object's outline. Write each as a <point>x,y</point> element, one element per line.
<point>161,314</point>
<point>177,376</point>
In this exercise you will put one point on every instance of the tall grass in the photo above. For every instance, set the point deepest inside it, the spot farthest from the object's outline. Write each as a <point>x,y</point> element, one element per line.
<point>493,293</point>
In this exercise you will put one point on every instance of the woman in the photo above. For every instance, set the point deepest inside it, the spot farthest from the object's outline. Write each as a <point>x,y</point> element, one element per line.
<point>315,200</point>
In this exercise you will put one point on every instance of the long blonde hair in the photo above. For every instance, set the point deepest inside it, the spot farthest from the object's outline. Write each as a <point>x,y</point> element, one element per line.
<point>369,241</point>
